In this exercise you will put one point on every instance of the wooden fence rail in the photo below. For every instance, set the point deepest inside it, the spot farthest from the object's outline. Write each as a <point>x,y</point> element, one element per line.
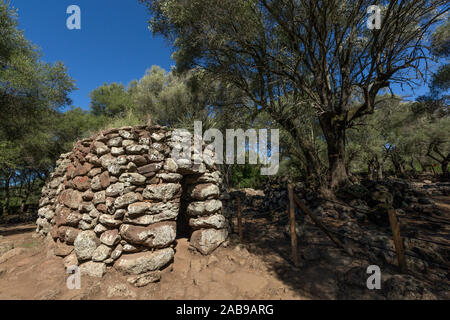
<point>293,200</point>
<point>320,224</point>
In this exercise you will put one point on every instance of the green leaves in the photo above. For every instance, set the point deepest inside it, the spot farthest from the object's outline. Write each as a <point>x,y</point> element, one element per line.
<point>441,79</point>
<point>440,42</point>
<point>31,94</point>
<point>110,100</point>
<point>167,98</point>
<point>12,40</point>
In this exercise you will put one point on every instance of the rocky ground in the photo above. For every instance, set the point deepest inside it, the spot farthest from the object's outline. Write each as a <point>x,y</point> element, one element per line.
<point>358,218</point>
<point>260,267</point>
<point>29,271</point>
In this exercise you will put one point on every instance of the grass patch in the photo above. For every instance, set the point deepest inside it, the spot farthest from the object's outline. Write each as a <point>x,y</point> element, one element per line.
<point>27,245</point>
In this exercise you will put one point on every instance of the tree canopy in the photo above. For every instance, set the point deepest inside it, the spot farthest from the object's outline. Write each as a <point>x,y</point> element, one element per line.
<point>320,52</point>
<point>312,69</point>
<point>31,94</point>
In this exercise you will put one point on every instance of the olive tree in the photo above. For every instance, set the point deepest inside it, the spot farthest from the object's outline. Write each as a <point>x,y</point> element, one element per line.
<point>321,52</point>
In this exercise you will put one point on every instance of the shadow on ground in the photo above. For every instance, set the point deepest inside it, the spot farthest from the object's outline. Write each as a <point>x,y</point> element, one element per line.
<point>13,229</point>
<point>327,272</point>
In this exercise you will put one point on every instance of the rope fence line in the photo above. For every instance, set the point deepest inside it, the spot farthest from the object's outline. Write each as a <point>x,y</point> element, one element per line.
<point>434,220</point>
<point>381,248</point>
<point>438,220</point>
<point>395,229</point>
<point>286,220</point>
<point>401,217</point>
<point>445,267</point>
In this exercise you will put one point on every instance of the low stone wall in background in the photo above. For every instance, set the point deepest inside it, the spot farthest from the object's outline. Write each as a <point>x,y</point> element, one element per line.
<point>119,199</point>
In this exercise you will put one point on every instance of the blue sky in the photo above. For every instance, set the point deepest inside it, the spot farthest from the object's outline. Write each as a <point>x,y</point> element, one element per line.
<point>113,45</point>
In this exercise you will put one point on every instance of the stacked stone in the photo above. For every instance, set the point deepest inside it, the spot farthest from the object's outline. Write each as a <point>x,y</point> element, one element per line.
<point>50,192</point>
<point>205,212</point>
<point>201,185</point>
<point>115,199</point>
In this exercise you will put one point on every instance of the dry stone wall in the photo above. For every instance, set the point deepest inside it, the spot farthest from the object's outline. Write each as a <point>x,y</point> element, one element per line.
<point>119,199</point>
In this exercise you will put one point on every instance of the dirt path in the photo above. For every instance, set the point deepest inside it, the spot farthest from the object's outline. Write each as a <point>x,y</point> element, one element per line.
<point>30,272</point>
<point>259,268</point>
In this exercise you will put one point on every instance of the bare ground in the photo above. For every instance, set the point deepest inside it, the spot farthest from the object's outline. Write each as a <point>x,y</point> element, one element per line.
<point>258,268</point>
<point>29,271</point>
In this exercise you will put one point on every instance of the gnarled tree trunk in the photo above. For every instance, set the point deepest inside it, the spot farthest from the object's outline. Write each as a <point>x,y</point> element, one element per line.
<point>370,169</point>
<point>307,150</point>
<point>379,172</point>
<point>334,132</point>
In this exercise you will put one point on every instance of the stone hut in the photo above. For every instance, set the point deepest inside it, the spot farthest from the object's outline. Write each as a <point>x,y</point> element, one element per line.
<point>119,200</point>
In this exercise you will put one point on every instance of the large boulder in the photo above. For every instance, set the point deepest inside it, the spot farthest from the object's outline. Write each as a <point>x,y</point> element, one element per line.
<point>148,219</point>
<point>101,181</point>
<point>101,253</point>
<point>201,208</point>
<point>109,221</point>
<point>71,198</point>
<point>133,178</point>
<point>143,262</point>
<point>110,237</point>
<point>68,234</point>
<point>115,189</point>
<point>216,221</point>
<point>67,217</point>
<point>140,208</point>
<point>207,240</point>
<point>162,192</point>
<point>85,244</point>
<point>126,199</point>
<point>81,183</point>
<point>158,235</point>
<point>46,213</point>
<point>152,167</point>
<point>204,191</point>
<point>93,269</point>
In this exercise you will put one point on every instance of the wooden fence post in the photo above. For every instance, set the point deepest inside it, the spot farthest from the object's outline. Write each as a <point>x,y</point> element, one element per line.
<point>292,225</point>
<point>239,216</point>
<point>397,240</point>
